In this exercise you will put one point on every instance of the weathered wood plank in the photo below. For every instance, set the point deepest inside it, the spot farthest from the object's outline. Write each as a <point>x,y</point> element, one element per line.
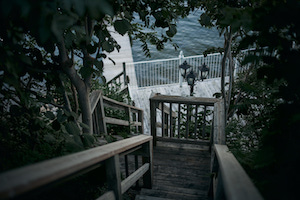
<point>237,184</point>
<point>110,120</point>
<point>107,196</point>
<point>130,180</point>
<point>148,158</point>
<point>24,179</point>
<point>219,136</point>
<point>118,104</point>
<point>167,110</point>
<point>184,141</point>
<point>94,98</point>
<point>179,174</point>
<point>185,100</point>
<point>153,121</point>
<point>113,175</point>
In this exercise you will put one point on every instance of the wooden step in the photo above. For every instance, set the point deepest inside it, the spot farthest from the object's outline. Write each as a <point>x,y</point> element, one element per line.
<point>144,197</point>
<point>173,194</point>
<point>178,173</point>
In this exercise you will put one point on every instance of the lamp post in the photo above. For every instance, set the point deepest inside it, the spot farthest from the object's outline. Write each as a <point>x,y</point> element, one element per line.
<point>190,78</point>
<point>203,71</point>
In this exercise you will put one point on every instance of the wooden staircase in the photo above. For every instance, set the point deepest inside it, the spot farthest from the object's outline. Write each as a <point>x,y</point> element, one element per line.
<point>179,173</point>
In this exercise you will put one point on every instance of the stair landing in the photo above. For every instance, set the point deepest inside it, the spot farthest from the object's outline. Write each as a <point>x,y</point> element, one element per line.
<point>179,173</point>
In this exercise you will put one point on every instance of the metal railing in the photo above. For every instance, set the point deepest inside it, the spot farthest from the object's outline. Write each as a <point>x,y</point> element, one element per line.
<point>166,71</point>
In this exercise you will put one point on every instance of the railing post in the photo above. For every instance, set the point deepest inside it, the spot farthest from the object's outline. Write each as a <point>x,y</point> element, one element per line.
<point>141,119</point>
<point>130,118</point>
<point>124,74</point>
<point>181,57</point>
<point>148,176</point>
<point>113,176</point>
<point>103,128</point>
<point>153,119</point>
<point>219,136</point>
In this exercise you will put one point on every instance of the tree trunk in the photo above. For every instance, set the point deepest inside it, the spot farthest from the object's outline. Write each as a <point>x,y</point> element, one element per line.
<point>231,79</point>
<point>82,88</point>
<point>85,105</point>
<point>227,45</point>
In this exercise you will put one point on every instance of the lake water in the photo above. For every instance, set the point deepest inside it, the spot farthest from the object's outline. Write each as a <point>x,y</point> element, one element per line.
<point>191,37</point>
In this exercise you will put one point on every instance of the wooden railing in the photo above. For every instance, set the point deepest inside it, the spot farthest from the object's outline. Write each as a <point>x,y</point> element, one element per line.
<point>180,118</point>
<point>120,79</point>
<point>19,182</point>
<point>100,121</point>
<point>229,180</point>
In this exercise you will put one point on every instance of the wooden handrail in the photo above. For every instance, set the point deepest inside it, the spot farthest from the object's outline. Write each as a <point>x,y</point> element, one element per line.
<point>185,100</point>
<point>229,180</point>
<point>168,123</point>
<point>19,181</point>
<point>100,121</point>
<point>117,79</point>
<point>232,182</point>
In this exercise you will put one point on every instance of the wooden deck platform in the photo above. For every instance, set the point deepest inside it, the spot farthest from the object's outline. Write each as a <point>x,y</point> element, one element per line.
<point>179,173</point>
<point>124,55</point>
<point>141,96</point>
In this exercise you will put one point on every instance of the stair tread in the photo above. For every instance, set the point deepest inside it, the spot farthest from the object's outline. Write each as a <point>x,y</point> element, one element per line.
<point>146,197</point>
<point>172,194</point>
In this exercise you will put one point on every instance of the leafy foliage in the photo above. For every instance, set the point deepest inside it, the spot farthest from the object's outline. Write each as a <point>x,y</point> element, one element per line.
<point>267,134</point>
<point>203,128</point>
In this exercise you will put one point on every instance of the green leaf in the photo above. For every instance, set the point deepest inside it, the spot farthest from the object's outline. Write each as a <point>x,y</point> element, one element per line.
<point>91,49</point>
<point>122,26</point>
<point>99,8</point>
<point>99,65</point>
<point>87,140</point>
<point>107,46</point>
<point>25,59</point>
<point>69,38</point>
<point>83,125</point>
<point>172,30</point>
<point>86,71</point>
<point>205,20</point>
<point>72,147</point>
<point>61,117</point>
<point>50,115</point>
<point>56,125</point>
<point>72,128</point>
<point>112,60</point>
<point>60,23</point>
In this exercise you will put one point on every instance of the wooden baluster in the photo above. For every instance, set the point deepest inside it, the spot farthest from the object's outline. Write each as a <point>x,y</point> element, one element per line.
<point>113,175</point>
<point>204,122</point>
<point>126,166</point>
<point>162,120</point>
<point>141,119</point>
<point>136,162</point>
<point>196,121</point>
<point>130,119</point>
<point>179,107</point>
<point>148,176</point>
<point>101,121</point>
<point>187,122</point>
<point>153,120</point>
<point>167,124</point>
<point>171,122</point>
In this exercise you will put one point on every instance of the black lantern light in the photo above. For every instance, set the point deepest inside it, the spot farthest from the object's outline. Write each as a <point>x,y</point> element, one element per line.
<point>204,71</point>
<point>185,66</point>
<point>190,78</point>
